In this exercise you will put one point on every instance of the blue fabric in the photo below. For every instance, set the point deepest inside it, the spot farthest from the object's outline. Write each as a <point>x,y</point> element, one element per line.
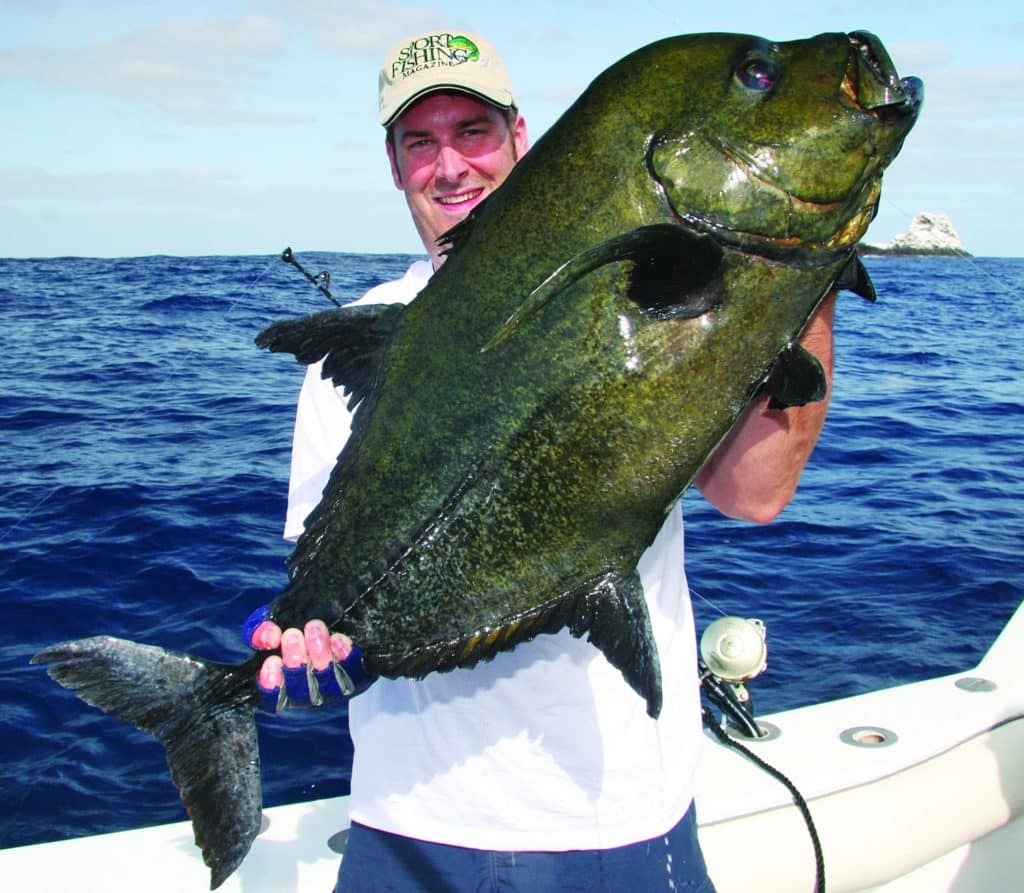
<point>356,678</point>
<point>296,684</point>
<point>304,686</point>
<point>378,862</point>
<point>252,621</point>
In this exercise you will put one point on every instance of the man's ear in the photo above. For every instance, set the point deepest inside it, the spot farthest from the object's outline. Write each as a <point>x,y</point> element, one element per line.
<point>396,175</point>
<point>519,137</point>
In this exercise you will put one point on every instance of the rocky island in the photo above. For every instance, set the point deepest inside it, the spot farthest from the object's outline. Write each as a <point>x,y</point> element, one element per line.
<point>929,234</point>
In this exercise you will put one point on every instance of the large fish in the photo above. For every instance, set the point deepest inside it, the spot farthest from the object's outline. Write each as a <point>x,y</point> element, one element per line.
<point>525,424</point>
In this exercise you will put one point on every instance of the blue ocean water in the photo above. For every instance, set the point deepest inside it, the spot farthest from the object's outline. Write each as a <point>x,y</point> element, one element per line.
<point>145,456</point>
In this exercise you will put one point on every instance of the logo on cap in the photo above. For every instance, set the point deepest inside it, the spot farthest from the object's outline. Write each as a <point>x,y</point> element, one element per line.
<point>434,51</point>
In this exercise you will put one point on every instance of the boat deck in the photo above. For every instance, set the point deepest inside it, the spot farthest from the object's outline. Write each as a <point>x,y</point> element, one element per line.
<point>913,789</point>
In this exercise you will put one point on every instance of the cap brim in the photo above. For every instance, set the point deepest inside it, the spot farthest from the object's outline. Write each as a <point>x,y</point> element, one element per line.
<point>501,99</point>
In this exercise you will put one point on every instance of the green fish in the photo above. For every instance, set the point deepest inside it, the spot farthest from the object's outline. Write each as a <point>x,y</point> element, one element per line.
<point>525,425</point>
<point>470,51</point>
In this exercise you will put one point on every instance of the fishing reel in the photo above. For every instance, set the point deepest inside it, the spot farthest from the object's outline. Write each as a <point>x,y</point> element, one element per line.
<point>732,652</point>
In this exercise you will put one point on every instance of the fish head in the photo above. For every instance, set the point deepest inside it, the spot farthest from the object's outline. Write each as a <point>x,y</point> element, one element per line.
<point>785,144</point>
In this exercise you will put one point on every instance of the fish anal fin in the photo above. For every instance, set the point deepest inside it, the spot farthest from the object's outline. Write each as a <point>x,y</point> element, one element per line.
<point>611,612</point>
<point>350,340</point>
<point>480,645</point>
<point>614,616</point>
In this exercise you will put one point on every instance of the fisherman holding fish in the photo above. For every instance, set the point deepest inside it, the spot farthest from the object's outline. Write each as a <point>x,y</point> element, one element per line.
<point>538,770</point>
<point>646,302</point>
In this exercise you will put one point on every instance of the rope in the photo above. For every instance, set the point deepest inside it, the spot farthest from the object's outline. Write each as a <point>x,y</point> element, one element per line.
<point>801,803</point>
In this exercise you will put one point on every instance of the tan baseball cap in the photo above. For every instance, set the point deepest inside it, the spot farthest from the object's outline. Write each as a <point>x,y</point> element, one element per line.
<point>441,60</point>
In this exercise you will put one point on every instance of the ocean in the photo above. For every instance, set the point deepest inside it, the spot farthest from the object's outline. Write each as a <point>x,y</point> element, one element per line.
<point>144,473</point>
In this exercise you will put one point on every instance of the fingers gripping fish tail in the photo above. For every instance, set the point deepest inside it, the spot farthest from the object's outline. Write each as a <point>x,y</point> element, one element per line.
<point>202,713</point>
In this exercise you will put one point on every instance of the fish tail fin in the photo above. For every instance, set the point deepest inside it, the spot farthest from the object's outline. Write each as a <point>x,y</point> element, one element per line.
<point>202,713</point>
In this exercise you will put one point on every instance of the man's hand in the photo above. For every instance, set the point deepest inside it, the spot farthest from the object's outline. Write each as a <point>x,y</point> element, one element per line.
<point>314,667</point>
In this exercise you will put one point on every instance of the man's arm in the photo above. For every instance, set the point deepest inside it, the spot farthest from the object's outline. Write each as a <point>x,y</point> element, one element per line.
<point>753,474</point>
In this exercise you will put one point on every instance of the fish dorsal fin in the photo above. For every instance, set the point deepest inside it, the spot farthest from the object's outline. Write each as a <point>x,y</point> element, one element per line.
<point>797,378</point>
<point>350,341</point>
<point>453,239</point>
<point>612,613</point>
<point>854,277</point>
<point>670,266</point>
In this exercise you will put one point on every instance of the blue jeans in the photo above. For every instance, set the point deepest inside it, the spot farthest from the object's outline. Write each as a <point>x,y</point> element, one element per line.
<point>379,862</point>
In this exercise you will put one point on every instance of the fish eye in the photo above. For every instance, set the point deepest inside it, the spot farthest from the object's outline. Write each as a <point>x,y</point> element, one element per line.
<point>757,74</point>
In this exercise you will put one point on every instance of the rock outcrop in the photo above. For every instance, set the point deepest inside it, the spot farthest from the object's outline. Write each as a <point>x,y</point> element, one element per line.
<point>929,234</point>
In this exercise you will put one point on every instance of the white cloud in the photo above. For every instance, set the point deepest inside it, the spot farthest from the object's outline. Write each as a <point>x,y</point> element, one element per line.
<point>910,57</point>
<point>365,28</point>
<point>159,186</point>
<point>191,211</point>
<point>190,70</point>
<point>953,89</point>
<point>979,92</point>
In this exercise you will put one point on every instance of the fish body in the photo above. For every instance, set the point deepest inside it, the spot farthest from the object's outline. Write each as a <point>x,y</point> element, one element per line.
<point>597,327</point>
<point>526,423</point>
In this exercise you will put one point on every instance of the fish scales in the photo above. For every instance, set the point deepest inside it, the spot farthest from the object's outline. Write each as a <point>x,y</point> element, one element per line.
<point>525,424</point>
<point>477,401</point>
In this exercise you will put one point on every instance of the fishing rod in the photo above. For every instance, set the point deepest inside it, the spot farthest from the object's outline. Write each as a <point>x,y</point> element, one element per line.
<point>322,280</point>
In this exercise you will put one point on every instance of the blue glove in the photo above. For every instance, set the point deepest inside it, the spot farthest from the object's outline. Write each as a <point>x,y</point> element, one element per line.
<point>305,686</point>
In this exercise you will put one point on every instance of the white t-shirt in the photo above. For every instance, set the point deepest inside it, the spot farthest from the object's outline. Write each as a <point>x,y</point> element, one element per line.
<point>543,748</point>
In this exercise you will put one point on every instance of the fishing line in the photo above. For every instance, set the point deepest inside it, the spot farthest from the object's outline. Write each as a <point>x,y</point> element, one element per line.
<point>321,280</point>
<point>250,289</point>
<point>708,602</point>
<point>26,515</point>
<point>960,253</point>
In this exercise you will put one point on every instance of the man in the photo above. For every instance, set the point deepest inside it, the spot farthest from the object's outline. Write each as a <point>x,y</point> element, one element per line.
<point>539,770</point>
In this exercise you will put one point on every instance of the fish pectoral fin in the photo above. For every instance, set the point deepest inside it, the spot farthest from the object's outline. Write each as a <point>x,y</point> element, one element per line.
<point>854,277</point>
<point>350,341</point>
<point>671,265</point>
<point>797,378</point>
<point>614,615</point>
<point>673,270</point>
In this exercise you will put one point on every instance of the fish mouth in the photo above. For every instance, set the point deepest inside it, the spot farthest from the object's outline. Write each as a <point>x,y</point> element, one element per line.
<point>804,191</point>
<point>872,84</point>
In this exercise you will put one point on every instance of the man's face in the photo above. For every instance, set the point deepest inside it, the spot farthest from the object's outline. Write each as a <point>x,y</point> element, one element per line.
<point>450,152</point>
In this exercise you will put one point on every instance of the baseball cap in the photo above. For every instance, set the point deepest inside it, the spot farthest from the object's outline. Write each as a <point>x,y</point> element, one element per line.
<point>441,60</point>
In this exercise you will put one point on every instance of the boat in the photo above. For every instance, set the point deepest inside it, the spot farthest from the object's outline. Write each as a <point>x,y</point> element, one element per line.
<point>917,788</point>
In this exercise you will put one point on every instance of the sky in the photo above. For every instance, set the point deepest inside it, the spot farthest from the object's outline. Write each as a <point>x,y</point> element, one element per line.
<point>212,128</point>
